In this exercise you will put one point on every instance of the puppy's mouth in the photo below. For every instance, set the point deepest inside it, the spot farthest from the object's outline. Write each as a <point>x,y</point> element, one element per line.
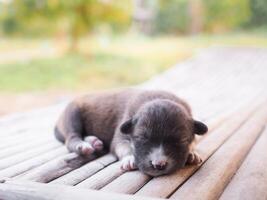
<point>151,171</point>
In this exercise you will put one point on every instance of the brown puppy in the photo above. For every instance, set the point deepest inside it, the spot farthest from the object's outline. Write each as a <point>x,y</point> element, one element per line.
<point>150,130</point>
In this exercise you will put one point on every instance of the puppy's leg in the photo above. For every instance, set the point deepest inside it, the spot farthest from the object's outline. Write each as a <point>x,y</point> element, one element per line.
<point>122,149</point>
<point>96,143</point>
<point>193,157</point>
<point>77,145</point>
<point>70,127</point>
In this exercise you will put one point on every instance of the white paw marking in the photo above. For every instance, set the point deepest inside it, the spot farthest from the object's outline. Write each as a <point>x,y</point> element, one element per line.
<point>94,142</point>
<point>84,148</point>
<point>128,163</point>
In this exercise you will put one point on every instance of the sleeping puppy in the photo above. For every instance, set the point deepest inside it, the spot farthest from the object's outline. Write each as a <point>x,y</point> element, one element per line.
<point>150,130</point>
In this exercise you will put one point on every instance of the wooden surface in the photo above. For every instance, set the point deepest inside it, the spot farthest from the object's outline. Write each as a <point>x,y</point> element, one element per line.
<point>13,190</point>
<point>226,88</point>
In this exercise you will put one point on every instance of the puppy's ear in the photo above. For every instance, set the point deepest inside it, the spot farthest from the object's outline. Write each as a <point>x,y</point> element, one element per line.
<point>128,126</point>
<point>199,128</point>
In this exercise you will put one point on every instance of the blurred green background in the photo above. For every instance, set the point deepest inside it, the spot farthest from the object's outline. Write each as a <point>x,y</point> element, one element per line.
<point>50,48</point>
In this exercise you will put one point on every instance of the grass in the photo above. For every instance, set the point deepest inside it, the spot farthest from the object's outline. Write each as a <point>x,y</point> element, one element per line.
<point>108,62</point>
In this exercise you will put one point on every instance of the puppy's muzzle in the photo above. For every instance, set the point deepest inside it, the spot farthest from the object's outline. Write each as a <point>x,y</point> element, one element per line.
<point>159,165</point>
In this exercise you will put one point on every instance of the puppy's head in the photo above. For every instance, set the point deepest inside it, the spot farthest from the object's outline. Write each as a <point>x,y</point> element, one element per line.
<point>161,133</point>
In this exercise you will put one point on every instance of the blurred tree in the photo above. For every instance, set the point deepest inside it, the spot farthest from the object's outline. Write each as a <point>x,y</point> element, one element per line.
<point>259,12</point>
<point>194,16</point>
<point>144,15</point>
<point>195,9</point>
<point>77,18</point>
<point>172,16</point>
<point>225,14</point>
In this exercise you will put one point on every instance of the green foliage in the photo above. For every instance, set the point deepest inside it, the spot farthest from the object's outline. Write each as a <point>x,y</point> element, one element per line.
<point>172,16</point>
<point>124,61</point>
<point>75,72</point>
<point>259,12</point>
<point>226,14</point>
<point>76,18</point>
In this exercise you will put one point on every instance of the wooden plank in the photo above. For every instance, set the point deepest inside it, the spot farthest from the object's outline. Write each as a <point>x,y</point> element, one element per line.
<point>56,168</point>
<point>27,165</point>
<point>211,179</point>
<point>13,190</point>
<point>250,181</point>
<point>41,129</point>
<point>34,124</point>
<point>80,174</point>
<point>24,147</point>
<point>102,178</point>
<point>20,157</point>
<point>164,186</point>
<point>18,140</point>
<point>25,120</point>
<point>127,183</point>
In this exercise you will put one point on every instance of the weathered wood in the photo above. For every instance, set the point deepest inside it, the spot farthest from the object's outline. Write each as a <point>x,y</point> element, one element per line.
<point>226,94</point>
<point>36,161</point>
<point>250,181</point>
<point>6,143</point>
<point>56,168</point>
<point>40,130</point>
<point>163,186</point>
<point>211,179</point>
<point>35,124</point>
<point>25,120</point>
<point>128,183</point>
<point>24,146</point>
<point>19,157</point>
<point>80,174</point>
<point>103,177</point>
<point>13,190</point>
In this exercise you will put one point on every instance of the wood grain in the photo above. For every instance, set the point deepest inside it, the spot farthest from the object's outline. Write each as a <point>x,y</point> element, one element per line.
<point>128,183</point>
<point>211,179</point>
<point>87,170</point>
<point>32,163</point>
<point>25,155</point>
<point>103,177</point>
<point>250,181</point>
<point>14,190</point>
<point>12,150</point>
<point>56,168</point>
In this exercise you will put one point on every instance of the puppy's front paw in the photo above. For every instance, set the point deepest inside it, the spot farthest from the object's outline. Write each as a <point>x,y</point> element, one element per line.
<point>128,163</point>
<point>84,148</point>
<point>95,142</point>
<point>193,159</point>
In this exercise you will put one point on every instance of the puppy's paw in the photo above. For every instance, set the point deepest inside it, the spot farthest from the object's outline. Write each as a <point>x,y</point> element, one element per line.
<point>84,148</point>
<point>193,159</point>
<point>94,142</point>
<point>128,163</point>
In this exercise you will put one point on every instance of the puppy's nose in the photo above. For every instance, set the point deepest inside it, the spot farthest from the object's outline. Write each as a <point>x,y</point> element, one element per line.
<point>159,165</point>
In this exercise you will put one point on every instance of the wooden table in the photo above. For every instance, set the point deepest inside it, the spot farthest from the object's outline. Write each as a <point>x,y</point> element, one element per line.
<point>226,88</point>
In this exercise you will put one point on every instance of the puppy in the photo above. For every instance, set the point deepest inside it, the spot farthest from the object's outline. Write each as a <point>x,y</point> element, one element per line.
<point>150,130</point>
